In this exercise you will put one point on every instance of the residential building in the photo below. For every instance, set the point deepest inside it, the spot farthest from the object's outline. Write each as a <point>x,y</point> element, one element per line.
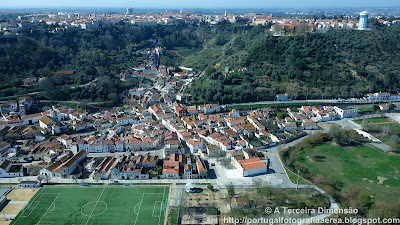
<point>282,98</point>
<point>10,170</point>
<point>346,112</point>
<point>250,167</point>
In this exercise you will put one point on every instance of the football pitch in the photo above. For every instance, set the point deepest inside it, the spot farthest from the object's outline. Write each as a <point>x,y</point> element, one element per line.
<point>96,205</point>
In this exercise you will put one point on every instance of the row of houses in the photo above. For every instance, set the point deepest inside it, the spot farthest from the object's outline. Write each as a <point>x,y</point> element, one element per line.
<point>64,166</point>
<point>382,96</point>
<point>130,167</point>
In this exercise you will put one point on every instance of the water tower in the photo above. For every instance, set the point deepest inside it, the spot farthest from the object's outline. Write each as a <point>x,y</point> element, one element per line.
<point>363,22</point>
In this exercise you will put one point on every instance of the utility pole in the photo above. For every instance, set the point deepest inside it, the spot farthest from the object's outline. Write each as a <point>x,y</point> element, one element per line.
<point>297,185</point>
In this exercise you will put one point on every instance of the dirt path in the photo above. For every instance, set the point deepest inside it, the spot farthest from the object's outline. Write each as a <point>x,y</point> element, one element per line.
<point>176,52</point>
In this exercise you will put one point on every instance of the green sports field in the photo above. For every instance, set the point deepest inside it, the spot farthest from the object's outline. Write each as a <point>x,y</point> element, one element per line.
<point>96,205</point>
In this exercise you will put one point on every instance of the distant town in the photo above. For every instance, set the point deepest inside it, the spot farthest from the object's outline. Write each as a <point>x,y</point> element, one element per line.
<point>63,21</point>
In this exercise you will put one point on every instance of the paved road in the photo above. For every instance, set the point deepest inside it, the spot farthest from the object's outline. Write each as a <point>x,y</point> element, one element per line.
<point>394,116</point>
<point>348,123</point>
<point>285,102</point>
<point>330,101</point>
<point>276,165</point>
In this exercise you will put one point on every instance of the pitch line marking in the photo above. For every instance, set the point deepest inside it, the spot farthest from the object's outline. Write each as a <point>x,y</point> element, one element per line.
<point>162,206</point>
<point>140,206</point>
<point>24,209</point>
<point>49,207</point>
<point>95,206</point>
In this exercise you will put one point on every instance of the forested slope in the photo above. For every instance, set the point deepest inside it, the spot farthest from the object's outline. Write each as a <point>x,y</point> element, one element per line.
<point>336,63</point>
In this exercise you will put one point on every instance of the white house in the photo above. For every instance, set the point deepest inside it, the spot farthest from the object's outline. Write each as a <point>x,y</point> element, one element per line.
<point>345,112</point>
<point>81,126</point>
<point>45,122</point>
<point>289,126</point>
<point>125,121</point>
<point>326,116</point>
<point>282,98</point>
<point>32,118</point>
<point>194,145</point>
<point>309,125</point>
<point>210,108</point>
<point>65,140</point>
<point>379,96</point>
<point>250,167</point>
<point>384,107</point>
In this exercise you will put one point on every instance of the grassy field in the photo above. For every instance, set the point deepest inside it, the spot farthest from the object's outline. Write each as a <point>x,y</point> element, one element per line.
<point>95,205</point>
<point>365,109</point>
<point>364,166</point>
<point>375,120</point>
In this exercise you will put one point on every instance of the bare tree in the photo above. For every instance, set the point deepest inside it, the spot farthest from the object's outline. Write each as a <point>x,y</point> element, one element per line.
<point>385,130</point>
<point>40,178</point>
<point>257,183</point>
<point>278,28</point>
<point>364,122</point>
<point>75,179</point>
<point>96,178</point>
<point>47,178</point>
<point>303,28</point>
<point>394,143</point>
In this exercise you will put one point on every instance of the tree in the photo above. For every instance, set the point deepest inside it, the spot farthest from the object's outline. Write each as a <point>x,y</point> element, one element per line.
<point>375,107</point>
<point>47,178</point>
<point>385,130</point>
<point>394,143</point>
<point>265,191</point>
<point>364,124</point>
<point>391,106</point>
<point>339,135</point>
<point>210,71</point>
<point>39,178</point>
<point>353,196</point>
<point>385,209</point>
<point>231,190</point>
<point>293,90</point>
<point>303,28</point>
<point>113,97</point>
<point>278,28</point>
<point>257,183</point>
<point>209,186</point>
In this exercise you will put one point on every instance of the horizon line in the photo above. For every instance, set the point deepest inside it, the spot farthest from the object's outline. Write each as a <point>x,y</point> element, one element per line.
<point>121,7</point>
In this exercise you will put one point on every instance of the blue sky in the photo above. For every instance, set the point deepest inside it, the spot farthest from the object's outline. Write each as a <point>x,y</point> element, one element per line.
<point>201,3</point>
